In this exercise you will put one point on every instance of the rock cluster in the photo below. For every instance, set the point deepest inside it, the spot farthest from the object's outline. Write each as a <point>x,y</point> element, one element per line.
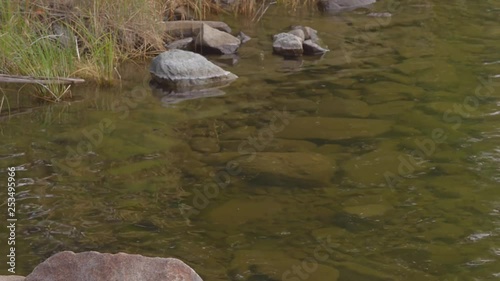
<point>205,37</point>
<point>300,40</point>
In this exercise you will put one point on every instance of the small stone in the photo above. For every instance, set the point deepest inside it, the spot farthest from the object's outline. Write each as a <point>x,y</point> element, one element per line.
<point>182,44</point>
<point>313,49</point>
<point>309,33</point>
<point>287,45</point>
<point>299,33</point>
<point>243,37</point>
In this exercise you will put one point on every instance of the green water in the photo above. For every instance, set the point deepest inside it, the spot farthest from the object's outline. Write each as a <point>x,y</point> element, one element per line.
<point>378,161</point>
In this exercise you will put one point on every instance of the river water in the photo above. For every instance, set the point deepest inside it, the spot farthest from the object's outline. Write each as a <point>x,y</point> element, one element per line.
<point>377,161</point>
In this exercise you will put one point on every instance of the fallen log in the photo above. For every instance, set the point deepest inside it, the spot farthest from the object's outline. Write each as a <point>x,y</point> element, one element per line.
<point>4,78</point>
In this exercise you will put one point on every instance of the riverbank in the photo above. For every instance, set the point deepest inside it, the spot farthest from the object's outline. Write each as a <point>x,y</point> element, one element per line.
<point>89,39</point>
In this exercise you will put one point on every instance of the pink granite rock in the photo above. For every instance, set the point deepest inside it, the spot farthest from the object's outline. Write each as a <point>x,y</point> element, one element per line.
<point>94,266</point>
<point>11,278</point>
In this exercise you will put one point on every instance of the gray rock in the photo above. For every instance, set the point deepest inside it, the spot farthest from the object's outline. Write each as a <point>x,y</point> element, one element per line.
<point>188,28</point>
<point>182,44</point>
<point>287,44</point>
<point>243,37</point>
<point>211,40</point>
<point>183,70</point>
<point>11,278</point>
<point>288,169</point>
<point>309,33</point>
<point>86,266</point>
<point>337,6</point>
<point>313,49</point>
<point>299,33</point>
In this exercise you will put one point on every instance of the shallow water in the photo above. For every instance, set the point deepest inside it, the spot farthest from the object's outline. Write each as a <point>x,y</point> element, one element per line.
<point>384,154</point>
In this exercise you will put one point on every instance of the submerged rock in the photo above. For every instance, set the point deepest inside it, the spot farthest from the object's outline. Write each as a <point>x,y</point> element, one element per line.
<point>169,97</point>
<point>380,15</point>
<point>95,266</point>
<point>183,70</point>
<point>279,265</point>
<point>337,6</point>
<point>288,169</point>
<point>322,128</point>
<point>213,41</point>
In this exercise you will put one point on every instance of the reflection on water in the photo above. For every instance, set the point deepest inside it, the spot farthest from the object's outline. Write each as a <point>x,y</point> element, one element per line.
<point>384,153</point>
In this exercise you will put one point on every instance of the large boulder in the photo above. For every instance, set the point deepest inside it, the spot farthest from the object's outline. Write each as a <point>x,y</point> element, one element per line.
<point>213,41</point>
<point>288,45</point>
<point>94,266</point>
<point>337,6</point>
<point>182,70</point>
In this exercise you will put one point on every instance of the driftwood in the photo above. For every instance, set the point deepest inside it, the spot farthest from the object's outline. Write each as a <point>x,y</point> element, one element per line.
<point>4,78</point>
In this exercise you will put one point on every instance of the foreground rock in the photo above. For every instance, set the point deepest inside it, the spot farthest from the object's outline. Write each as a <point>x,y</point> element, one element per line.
<point>94,266</point>
<point>213,41</point>
<point>182,70</point>
<point>337,6</point>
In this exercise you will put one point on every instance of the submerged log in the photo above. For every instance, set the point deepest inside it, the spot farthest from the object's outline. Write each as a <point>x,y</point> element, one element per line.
<point>4,78</point>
